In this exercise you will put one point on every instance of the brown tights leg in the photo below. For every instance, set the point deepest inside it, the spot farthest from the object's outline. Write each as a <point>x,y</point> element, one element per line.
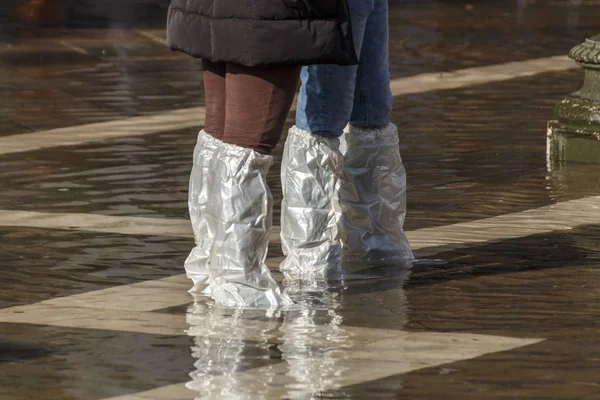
<point>247,106</point>
<point>214,92</point>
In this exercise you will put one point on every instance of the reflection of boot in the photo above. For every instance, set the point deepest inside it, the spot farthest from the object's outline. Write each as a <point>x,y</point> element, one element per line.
<point>239,216</point>
<point>227,342</point>
<point>309,211</point>
<point>196,265</point>
<point>315,344</point>
<point>373,197</point>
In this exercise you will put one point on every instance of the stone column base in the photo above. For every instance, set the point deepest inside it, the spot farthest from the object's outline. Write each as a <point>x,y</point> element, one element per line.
<point>566,143</point>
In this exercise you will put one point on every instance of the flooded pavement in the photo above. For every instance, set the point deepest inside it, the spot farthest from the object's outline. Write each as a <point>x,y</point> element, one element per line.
<point>93,303</point>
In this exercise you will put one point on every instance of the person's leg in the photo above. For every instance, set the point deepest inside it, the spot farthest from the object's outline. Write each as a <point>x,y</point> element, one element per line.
<point>373,186</point>
<point>372,95</point>
<point>327,94</point>
<point>196,265</point>
<point>214,95</point>
<point>312,162</point>
<point>258,102</point>
<point>240,210</point>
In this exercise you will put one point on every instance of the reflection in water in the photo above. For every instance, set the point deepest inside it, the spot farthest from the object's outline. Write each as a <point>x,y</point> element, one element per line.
<point>227,342</point>
<point>296,354</point>
<point>314,342</point>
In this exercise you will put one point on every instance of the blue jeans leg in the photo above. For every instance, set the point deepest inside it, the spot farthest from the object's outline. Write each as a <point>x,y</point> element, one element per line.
<point>327,92</point>
<point>372,96</point>
<point>331,95</point>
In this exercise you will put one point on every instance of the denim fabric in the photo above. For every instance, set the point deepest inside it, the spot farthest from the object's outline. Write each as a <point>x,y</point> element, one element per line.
<point>333,96</point>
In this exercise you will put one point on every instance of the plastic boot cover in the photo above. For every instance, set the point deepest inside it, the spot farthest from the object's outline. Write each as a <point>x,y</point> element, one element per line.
<point>309,212</point>
<point>373,197</point>
<point>196,265</point>
<point>239,217</point>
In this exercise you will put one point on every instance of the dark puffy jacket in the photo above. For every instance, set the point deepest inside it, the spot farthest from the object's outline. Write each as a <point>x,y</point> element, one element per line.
<point>262,32</point>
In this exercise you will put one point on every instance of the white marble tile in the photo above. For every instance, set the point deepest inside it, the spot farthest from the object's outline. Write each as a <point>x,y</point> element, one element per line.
<point>97,223</point>
<point>433,347</point>
<point>425,242</point>
<point>177,391</point>
<point>143,296</point>
<point>478,75</point>
<point>560,216</point>
<point>104,223</point>
<point>94,318</point>
<point>157,36</point>
<point>76,135</point>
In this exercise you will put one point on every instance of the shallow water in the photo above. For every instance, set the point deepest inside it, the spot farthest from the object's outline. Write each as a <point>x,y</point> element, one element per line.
<point>508,317</point>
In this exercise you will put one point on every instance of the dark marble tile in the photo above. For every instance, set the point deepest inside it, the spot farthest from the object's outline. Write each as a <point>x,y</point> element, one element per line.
<point>480,151</point>
<point>535,286</point>
<point>90,364</point>
<point>37,264</point>
<point>100,92</point>
<point>437,36</point>
<point>11,352</point>
<point>71,77</point>
<point>8,127</point>
<point>38,109</point>
<point>140,176</point>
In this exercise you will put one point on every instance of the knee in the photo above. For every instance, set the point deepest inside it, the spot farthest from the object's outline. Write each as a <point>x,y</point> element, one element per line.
<point>325,100</point>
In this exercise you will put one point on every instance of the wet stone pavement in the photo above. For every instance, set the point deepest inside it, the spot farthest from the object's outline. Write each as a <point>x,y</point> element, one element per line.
<point>94,231</point>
